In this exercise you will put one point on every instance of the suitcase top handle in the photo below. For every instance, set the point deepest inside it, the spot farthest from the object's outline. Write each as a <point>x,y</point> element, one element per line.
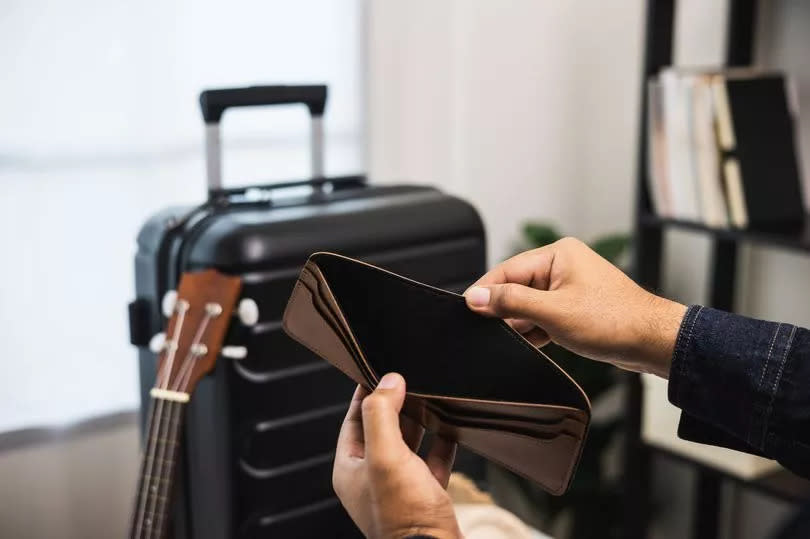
<point>214,102</point>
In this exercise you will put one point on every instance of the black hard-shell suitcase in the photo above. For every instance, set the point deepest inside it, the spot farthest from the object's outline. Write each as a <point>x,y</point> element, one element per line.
<point>260,432</point>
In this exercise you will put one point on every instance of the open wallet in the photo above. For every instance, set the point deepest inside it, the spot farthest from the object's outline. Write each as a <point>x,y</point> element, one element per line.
<point>470,378</point>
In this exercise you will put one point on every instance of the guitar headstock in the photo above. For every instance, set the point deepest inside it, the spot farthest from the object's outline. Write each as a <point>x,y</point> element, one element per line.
<point>199,317</point>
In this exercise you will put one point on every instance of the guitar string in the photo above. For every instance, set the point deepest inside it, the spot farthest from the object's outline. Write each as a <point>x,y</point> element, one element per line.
<point>182,307</point>
<point>162,438</point>
<point>146,470</point>
<point>184,373</point>
<point>165,477</point>
<point>136,523</point>
<point>181,381</point>
<point>157,415</point>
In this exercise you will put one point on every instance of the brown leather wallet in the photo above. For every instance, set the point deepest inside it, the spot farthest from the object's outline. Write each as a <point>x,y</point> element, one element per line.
<point>471,379</point>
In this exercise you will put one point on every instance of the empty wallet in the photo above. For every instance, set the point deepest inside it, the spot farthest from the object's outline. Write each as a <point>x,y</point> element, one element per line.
<point>470,378</point>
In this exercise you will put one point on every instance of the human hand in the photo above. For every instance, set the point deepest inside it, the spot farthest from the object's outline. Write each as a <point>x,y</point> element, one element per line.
<point>566,293</point>
<point>388,490</point>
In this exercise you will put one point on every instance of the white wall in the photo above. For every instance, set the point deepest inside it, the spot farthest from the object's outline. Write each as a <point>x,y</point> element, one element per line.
<point>527,108</point>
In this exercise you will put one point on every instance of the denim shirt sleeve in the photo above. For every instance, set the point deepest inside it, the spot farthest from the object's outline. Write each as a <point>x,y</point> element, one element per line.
<point>744,384</point>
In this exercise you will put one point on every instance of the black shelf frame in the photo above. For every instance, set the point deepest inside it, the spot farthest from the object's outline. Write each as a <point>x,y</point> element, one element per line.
<point>647,260</point>
<point>796,239</point>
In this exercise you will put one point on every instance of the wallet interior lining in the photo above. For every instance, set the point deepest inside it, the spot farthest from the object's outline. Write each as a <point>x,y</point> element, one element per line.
<point>437,343</point>
<point>517,426</point>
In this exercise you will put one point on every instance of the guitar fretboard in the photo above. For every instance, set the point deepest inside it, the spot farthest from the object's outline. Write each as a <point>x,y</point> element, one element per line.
<point>161,448</point>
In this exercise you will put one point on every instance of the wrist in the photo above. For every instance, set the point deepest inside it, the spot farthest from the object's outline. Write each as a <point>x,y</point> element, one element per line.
<point>659,331</point>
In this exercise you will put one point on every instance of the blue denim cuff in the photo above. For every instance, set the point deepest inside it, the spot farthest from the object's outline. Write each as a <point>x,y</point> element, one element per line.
<point>726,372</point>
<point>678,371</point>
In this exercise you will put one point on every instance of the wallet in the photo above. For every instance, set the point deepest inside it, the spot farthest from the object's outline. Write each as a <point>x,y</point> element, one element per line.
<point>470,378</point>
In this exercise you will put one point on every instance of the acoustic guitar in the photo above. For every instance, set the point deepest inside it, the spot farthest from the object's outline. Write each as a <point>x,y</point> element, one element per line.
<point>199,315</point>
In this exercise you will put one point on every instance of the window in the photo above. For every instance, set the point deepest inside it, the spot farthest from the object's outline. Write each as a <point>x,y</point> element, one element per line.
<point>100,128</point>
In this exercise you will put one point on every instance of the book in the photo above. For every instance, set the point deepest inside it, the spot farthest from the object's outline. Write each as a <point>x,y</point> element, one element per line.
<point>756,133</point>
<point>706,157</point>
<point>657,170</point>
<point>722,148</point>
<point>676,97</point>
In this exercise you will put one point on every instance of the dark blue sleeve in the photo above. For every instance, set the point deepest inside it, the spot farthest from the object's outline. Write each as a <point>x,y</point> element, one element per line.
<point>744,384</point>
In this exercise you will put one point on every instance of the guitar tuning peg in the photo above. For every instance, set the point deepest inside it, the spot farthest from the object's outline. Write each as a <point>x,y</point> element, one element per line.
<point>234,352</point>
<point>168,303</point>
<point>248,312</point>
<point>157,343</point>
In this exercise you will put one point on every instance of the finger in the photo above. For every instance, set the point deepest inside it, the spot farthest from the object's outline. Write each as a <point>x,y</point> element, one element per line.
<point>350,440</point>
<point>530,268</point>
<point>440,459</point>
<point>384,442</point>
<point>513,300</point>
<point>412,432</point>
<point>520,325</point>
<point>537,337</point>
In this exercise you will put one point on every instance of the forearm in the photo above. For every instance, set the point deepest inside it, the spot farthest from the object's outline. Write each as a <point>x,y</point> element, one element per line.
<point>750,379</point>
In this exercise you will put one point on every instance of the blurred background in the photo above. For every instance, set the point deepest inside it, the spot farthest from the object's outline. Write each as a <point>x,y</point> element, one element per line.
<point>529,109</point>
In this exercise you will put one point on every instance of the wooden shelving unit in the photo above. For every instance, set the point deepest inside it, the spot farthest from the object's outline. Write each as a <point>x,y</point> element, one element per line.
<point>649,241</point>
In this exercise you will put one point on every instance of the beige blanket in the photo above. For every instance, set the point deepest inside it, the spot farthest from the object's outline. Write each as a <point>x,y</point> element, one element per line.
<point>480,518</point>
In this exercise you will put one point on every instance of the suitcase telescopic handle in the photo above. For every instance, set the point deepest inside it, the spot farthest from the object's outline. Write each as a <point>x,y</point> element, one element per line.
<point>214,102</point>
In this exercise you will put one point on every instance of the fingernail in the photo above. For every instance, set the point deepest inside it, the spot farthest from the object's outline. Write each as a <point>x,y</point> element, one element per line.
<point>389,381</point>
<point>478,296</point>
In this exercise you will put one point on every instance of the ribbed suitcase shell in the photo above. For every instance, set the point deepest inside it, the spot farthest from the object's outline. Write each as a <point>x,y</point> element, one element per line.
<point>260,432</point>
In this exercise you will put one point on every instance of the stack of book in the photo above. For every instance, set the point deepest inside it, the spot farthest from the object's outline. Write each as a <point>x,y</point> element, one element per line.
<point>722,148</point>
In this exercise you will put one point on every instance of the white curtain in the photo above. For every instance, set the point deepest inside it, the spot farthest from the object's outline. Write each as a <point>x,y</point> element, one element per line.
<point>100,127</point>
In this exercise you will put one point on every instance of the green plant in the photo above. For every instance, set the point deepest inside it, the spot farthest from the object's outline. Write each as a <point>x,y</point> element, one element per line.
<point>593,500</point>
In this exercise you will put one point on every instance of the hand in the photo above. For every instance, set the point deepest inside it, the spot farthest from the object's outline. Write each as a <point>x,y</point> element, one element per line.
<point>388,490</point>
<point>566,293</point>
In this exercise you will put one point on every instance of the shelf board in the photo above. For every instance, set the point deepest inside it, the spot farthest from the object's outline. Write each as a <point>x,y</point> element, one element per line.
<point>795,239</point>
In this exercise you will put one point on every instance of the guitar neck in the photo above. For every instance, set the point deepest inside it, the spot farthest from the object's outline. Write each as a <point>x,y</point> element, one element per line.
<point>199,313</point>
<point>161,450</point>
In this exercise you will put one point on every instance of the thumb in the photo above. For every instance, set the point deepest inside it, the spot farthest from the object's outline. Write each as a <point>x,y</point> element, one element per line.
<point>511,300</point>
<point>381,430</point>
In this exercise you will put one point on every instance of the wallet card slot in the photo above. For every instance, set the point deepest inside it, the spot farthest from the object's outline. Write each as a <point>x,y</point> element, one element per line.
<point>537,414</point>
<point>565,425</point>
<point>322,304</point>
<point>327,309</point>
<point>551,463</point>
<point>512,426</point>
<point>308,322</point>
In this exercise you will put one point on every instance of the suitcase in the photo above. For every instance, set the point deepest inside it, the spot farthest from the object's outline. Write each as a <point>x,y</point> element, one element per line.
<point>260,431</point>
